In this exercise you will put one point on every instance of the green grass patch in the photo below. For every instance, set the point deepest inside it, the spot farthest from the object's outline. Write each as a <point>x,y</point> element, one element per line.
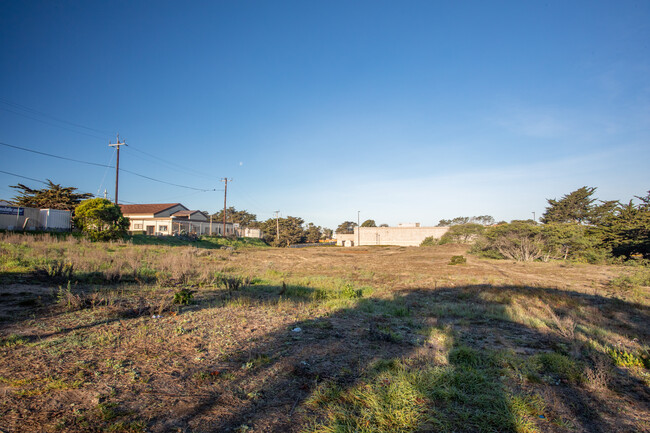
<point>209,242</point>
<point>12,340</point>
<point>393,396</point>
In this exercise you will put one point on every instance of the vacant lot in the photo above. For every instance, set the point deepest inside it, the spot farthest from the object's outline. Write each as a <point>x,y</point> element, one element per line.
<point>133,338</point>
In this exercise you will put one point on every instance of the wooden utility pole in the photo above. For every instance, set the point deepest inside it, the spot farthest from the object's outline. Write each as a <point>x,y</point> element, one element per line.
<point>277,227</point>
<point>225,193</point>
<point>117,166</point>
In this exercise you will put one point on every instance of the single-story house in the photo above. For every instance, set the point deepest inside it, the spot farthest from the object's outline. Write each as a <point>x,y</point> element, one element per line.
<point>174,218</point>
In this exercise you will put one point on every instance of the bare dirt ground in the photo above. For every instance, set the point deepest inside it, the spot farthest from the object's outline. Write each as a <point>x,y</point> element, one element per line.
<point>552,347</point>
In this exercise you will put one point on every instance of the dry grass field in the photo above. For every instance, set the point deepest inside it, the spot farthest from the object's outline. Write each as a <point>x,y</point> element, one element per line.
<point>153,338</point>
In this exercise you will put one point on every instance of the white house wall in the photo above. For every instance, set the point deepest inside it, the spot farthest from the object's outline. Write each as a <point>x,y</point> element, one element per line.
<point>174,225</point>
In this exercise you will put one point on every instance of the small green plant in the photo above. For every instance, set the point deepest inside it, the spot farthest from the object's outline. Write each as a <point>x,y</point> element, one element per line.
<point>349,292</point>
<point>384,333</point>
<point>71,301</point>
<point>457,260</point>
<point>183,296</point>
<point>465,356</point>
<point>622,358</point>
<point>108,411</point>
<point>58,270</point>
<point>127,427</point>
<point>256,361</point>
<point>560,365</point>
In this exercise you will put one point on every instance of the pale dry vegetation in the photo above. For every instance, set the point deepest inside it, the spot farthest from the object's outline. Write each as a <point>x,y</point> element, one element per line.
<point>117,337</point>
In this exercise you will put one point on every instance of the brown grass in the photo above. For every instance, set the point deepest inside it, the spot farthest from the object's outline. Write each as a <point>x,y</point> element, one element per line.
<point>379,328</point>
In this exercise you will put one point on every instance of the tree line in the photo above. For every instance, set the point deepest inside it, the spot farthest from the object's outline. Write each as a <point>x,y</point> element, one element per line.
<point>292,230</point>
<point>577,226</point>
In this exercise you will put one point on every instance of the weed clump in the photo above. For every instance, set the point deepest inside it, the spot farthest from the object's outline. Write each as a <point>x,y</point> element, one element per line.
<point>233,282</point>
<point>58,270</point>
<point>639,278</point>
<point>71,301</point>
<point>183,296</point>
<point>457,260</point>
<point>562,366</point>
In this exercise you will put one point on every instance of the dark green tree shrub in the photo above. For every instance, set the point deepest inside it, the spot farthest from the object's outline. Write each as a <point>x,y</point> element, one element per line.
<point>429,241</point>
<point>291,231</point>
<point>462,233</point>
<point>626,232</point>
<point>101,220</point>
<point>53,197</point>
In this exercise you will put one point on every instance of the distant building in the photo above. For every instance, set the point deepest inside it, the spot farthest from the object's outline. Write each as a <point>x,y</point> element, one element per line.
<point>410,234</point>
<point>14,217</point>
<point>164,219</point>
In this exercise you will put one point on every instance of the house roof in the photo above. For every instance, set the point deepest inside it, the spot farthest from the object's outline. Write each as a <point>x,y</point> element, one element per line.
<point>185,212</point>
<point>146,208</point>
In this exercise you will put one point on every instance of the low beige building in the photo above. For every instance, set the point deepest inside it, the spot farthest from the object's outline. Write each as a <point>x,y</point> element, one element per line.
<point>164,219</point>
<point>410,235</point>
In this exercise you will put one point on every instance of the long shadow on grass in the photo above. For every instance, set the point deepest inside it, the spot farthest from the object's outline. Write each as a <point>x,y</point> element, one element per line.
<point>452,359</point>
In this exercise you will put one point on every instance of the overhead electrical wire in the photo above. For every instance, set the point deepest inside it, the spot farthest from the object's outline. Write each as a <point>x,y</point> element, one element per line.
<point>29,113</point>
<point>105,165</point>
<point>110,161</point>
<point>49,116</point>
<point>24,177</point>
<point>46,183</point>
<point>52,124</point>
<point>105,134</point>
<point>169,163</point>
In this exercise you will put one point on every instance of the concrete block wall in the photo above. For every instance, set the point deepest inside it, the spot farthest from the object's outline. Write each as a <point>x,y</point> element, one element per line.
<point>401,236</point>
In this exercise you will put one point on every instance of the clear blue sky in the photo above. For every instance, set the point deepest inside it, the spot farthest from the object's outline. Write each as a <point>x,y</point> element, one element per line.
<point>406,111</point>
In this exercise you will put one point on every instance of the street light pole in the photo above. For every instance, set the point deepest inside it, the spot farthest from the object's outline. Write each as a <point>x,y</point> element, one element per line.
<point>358,228</point>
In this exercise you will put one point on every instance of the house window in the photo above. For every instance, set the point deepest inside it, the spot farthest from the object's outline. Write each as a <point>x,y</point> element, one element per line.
<point>162,228</point>
<point>137,226</point>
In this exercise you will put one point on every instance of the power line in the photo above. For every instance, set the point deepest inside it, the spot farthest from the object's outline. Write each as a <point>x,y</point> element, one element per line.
<point>51,123</point>
<point>78,125</point>
<point>105,166</point>
<point>171,164</point>
<point>49,116</point>
<point>46,183</point>
<point>24,177</point>
<point>106,172</point>
<point>55,156</point>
